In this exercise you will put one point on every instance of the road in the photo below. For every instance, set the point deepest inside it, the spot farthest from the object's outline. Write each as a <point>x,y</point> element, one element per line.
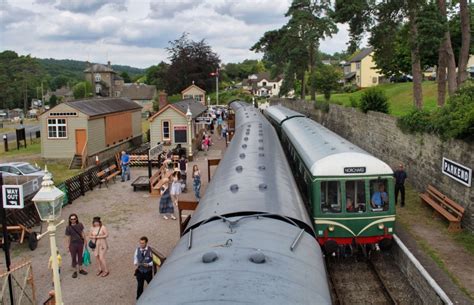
<point>11,136</point>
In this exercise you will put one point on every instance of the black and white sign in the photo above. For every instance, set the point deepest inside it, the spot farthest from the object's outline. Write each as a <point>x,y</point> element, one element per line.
<point>457,171</point>
<point>13,196</point>
<point>354,170</point>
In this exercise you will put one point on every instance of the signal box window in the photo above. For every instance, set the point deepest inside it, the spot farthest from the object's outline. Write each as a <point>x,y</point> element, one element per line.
<point>355,196</point>
<point>330,197</point>
<point>379,199</point>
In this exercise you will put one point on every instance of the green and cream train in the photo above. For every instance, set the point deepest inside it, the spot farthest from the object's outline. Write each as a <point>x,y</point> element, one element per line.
<point>349,192</point>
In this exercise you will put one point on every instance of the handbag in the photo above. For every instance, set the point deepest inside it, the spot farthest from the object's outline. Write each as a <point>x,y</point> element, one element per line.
<point>92,244</point>
<point>86,257</point>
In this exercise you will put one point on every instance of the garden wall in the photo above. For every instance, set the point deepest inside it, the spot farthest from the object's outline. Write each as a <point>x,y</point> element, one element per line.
<point>422,154</point>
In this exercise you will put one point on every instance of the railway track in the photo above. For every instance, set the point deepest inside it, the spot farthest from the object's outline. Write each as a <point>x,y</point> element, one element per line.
<point>369,281</point>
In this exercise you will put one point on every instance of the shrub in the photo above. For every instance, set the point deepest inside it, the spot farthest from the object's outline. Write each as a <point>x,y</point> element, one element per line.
<point>321,105</point>
<point>454,120</point>
<point>374,99</point>
<point>353,102</point>
<point>349,88</point>
<point>415,121</point>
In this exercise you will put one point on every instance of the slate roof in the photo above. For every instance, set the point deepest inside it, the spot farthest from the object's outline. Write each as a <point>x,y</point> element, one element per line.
<point>267,76</point>
<point>182,106</point>
<point>102,106</point>
<point>99,68</point>
<point>362,54</point>
<point>138,91</point>
<point>196,107</point>
<point>349,75</point>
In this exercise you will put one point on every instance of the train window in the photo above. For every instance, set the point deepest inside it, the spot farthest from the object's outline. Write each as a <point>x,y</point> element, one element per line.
<point>355,196</point>
<point>330,197</point>
<point>379,199</point>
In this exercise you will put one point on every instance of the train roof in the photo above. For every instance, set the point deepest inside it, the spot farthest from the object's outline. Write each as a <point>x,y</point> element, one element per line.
<point>253,177</point>
<point>325,153</point>
<point>218,267</point>
<point>279,113</point>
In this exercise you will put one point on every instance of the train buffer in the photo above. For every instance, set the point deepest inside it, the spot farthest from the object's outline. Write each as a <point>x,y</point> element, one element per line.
<point>444,206</point>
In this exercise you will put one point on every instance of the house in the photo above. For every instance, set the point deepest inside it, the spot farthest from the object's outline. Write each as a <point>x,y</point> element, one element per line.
<point>104,80</point>
<point>262,84</point>
<point>142,94</point>
<point>470,66</point>
<point>170,125</point>
<point>195,93</point>
<point>362,72</point>
<point>83,129</point>
<point>64,94</point>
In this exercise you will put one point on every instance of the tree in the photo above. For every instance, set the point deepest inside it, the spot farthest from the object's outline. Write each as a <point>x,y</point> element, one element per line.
<point>292,49</point>
<point>326,79</point>
<point>58,82</point>
<point>156,75</point>
<point>464,12</point>
<point>191,61</point>
<point>53,100</point>
<point>82,90</point>
<point>126,77</point>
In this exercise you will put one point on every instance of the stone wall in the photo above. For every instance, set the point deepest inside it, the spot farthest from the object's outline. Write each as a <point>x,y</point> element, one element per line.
<point>422,154</point>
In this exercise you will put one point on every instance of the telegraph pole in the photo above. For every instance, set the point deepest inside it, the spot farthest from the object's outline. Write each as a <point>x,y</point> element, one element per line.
<point>217,86</point>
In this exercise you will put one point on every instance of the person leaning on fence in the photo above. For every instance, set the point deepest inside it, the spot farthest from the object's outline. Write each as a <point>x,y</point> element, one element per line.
<point>143,261</point>
<point>125,163</point>
<point>75,241</point>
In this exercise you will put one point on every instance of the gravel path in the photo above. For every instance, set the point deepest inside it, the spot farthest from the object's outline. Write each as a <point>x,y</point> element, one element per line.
<point>128,215</point>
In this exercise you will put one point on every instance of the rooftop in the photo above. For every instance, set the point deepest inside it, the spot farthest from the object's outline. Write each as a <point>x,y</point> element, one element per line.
<point>98,68</point>
<point>138,91</point>
<point>362,54</point>
<point>102,106</point>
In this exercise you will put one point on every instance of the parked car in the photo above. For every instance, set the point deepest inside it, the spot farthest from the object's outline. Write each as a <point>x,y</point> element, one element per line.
<point>20,169</point>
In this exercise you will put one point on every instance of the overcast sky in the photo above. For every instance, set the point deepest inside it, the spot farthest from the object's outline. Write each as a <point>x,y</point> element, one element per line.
<point>136,32</point>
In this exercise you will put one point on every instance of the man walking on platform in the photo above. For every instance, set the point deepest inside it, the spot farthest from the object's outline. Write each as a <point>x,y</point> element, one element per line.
<point>400,177</point>
<point>125,163</point>
<point>143,261</point>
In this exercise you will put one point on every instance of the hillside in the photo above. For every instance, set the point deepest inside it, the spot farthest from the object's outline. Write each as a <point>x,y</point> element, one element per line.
<point>400,96</point>
<point>74,68</point>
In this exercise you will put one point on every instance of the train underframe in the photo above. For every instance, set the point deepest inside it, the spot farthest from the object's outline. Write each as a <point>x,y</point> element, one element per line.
<point>349,246</point>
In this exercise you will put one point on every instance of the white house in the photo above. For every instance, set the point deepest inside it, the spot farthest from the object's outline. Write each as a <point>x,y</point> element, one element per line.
<point>262,84</point>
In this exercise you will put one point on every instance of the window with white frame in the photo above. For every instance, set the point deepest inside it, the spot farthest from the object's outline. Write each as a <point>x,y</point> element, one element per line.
<point>97,77</point>
<point>98,88</point>
<point>57,128</point>
<point>166,130</point>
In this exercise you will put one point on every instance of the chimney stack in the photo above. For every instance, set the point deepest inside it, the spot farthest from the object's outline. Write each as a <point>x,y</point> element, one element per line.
<point>162,99</point>
<point>108,64</point>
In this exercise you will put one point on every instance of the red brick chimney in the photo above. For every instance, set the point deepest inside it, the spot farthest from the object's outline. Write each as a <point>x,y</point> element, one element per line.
<point>162,99</point>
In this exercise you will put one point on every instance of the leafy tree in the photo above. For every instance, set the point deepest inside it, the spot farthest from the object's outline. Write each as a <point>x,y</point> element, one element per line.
<point>326,79</point>
<point>53,101</point>
<point>126,77</point>
<point>59,81</point>
<point>157,75</point>
<point>190,61</point>
<point>292,49</point>
<point>82,90</point>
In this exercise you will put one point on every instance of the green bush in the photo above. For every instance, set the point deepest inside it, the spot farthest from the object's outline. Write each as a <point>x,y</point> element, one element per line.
<point>373,99</point>
<point>349,88</point>
<point>321,105</point>
<point>415,121</point>
<point>454,120</point>
<point>353,102</point>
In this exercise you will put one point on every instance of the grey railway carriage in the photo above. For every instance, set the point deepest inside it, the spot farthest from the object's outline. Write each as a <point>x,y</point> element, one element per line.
<point>350,192</point>
<point>251,240</point>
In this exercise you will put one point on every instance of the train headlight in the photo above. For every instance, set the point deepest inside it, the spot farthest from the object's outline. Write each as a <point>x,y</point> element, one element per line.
<point>331,228</point>
<point>381,226</point>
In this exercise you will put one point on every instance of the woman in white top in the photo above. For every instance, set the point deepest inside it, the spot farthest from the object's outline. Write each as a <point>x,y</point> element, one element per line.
<point>175,188</point>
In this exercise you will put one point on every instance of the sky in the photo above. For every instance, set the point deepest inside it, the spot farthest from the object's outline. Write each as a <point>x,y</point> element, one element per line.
<point>137,32</point>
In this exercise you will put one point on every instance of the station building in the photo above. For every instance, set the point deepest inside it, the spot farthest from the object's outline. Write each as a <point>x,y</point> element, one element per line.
<point>83,129</point>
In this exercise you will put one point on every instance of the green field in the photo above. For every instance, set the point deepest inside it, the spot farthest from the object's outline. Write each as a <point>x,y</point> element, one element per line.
<point>400,97</point>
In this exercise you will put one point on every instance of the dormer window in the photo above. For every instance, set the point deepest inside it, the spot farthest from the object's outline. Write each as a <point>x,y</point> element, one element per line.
<point>97,77</point>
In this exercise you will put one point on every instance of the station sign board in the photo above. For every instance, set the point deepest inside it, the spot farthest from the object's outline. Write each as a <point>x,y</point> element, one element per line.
<point>456,171</point>
<point>355,170</point>
<point>203,119</point>
<point>13,196</point>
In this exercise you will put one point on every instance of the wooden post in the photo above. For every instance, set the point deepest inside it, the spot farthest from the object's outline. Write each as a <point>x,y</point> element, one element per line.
<point>209,164</point>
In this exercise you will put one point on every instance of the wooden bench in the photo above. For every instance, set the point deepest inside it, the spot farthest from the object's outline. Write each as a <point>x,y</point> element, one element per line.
<point>108,174</point>
<point>446,207</point>
<point>185,206</point>
<point>157,180</point>
<point>22,231</point>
